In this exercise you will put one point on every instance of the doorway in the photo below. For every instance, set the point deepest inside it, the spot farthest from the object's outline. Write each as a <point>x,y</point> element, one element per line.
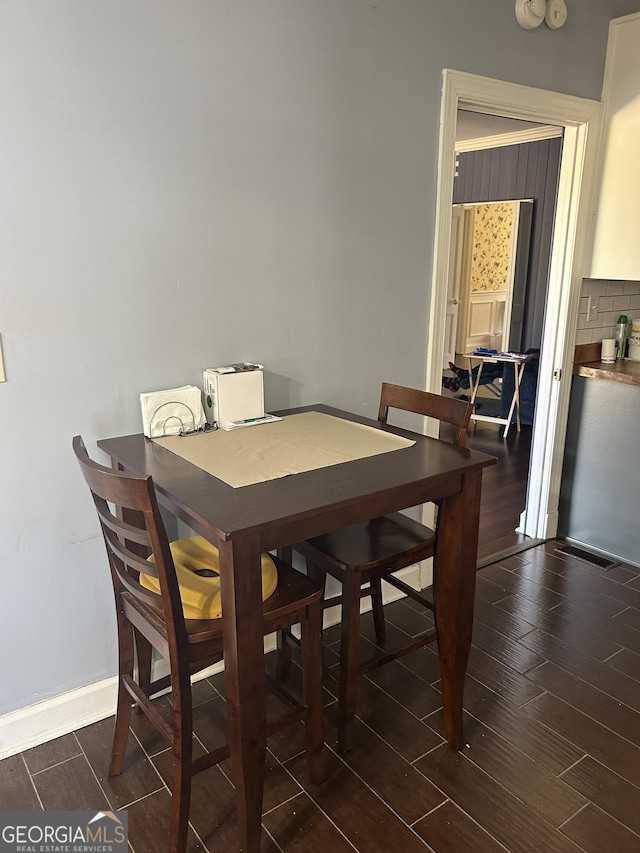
<point>576,116</point>
<point>487,275</point>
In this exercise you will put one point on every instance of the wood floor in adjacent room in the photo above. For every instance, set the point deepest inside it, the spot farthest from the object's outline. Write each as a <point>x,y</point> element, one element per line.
<point>552,723</point>
<point>504,486</point>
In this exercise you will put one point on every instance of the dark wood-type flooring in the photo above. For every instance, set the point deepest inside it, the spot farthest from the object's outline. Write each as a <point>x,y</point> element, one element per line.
<point>504,487</point>
<point>552,725</point>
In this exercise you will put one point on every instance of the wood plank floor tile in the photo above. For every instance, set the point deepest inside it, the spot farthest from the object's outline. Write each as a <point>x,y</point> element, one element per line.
<point>601,583</point>
<point>394,779</point>
<point>509,653</point>
<point>393,723</point>
<point>148,735</point>
<point>512,627</point>
<point>607,790</point>
<point>624,574</point>
<point>583,632</point>
<point>550,560</point>
<point>404,686</point>
<point>571,588</point>
<point>591,737</point>
<point>514,561</point>
<point>213,808</point>
<point>545,747</point>
<point>138,777</point>
<point>522,608</point>
<point>626,662</point>
<point>598,705</point>
<point>630,616</point>
<point>424,663</point>
<point>614,630</point>
<point>487,590</point>
<point>210,723</point>
<point>595,831</point>
<point>594,672</point>
<point>368,648</point>
<point>515,583</point>
<point>358,813</point>
<point>53,752</point>
<point>503,680</point>
<point>448,829</point>
<point>70,785</point>
<point>149,828</point>
<point>299,826</point>
<point>16,788</point>
<point>533,784</point>
<point>503,815</point>
<point>408,619</point>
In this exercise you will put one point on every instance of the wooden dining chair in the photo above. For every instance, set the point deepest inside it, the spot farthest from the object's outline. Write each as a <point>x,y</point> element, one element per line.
<point>163,602</point>
<point>361,556</point>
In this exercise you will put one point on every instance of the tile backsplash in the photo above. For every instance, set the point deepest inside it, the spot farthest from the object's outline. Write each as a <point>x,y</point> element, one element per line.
<point>611,299</point>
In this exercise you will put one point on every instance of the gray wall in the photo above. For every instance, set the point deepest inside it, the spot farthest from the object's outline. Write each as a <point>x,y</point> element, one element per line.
<point>187,184</point>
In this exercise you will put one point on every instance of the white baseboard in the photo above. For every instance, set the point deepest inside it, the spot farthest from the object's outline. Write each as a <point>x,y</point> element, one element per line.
<point>52,718</point>
<point>44,721</point>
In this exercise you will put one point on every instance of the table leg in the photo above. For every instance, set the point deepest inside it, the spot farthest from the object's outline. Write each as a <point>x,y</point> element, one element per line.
<point>454,588</point>
<point>515,400</point>
<point>517,375</point>
<point>475,385</point>
<point>244,683</point>
<point>349,647</point>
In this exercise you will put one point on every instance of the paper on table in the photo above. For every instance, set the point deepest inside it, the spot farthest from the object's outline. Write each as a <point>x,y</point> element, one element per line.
<point>172,412</point>
<point>302,442</point>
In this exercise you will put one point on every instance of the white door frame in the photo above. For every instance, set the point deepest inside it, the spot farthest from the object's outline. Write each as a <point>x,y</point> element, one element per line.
<point>580,119</point>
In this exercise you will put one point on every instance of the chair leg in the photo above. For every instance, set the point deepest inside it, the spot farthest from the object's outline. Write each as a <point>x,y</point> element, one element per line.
<point>286,554</point>
<point>378,610</point>
<point>312,690</point>
<point>123,708</point>
<point>180,805</point>
<point>349,641</point>
<point>320,577</point>
<point>144,651</point>
<point>182,767</point>
<point>283,665</point>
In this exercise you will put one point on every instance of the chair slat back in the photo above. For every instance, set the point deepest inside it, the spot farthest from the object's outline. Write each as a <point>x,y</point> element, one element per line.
<point>448,409</point>
<point>128,544</point>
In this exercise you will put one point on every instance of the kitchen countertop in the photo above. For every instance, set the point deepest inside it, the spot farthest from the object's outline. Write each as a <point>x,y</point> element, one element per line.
<point>587,363</point>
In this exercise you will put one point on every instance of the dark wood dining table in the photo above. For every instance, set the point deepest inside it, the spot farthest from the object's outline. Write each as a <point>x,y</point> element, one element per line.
<point>244,522</point>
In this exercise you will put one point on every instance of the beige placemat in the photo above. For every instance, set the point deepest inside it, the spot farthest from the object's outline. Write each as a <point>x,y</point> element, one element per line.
<point>303,442</point>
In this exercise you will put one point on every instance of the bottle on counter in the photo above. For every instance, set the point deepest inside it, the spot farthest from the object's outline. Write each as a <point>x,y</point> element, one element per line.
<point>621,336</point>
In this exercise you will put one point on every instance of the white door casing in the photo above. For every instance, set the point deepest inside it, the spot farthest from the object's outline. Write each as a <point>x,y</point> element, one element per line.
<point>580,119</point>
<point>455,274</point>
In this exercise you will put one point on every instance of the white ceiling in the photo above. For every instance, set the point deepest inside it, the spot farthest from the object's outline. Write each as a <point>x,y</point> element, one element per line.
<point>472,125</point>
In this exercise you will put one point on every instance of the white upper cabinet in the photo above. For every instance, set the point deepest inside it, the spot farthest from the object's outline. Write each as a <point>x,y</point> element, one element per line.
<point>616,244</point>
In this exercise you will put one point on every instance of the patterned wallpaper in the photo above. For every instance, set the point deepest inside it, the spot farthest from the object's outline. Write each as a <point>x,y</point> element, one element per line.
<point>491,253</point>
